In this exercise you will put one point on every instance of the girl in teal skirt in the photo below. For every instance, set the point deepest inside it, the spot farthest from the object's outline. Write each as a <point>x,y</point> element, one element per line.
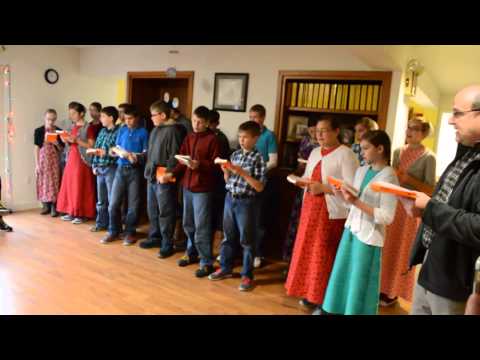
<point>353,287</point>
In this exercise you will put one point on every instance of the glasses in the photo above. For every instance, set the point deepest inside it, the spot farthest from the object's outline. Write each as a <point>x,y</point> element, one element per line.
<point>322,131</point>
<point>457,114</point>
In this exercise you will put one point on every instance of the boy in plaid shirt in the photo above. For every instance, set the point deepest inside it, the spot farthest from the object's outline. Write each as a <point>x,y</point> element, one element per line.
<point>244,179</point>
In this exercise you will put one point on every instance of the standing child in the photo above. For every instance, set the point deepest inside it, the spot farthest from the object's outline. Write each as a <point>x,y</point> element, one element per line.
<point>198,183</point>
<point>354,285</point>
<point>164,144</point>
<point>245,179</point>
<point>133,140</point>
<point>77,192</point>
<point>94,109</point>
<point>104,165</point>
<point>47,164</point>
<point>361,127</point>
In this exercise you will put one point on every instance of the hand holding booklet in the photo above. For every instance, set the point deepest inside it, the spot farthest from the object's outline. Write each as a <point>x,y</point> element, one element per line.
<point>223,163</point>
<point>161,171</point>
<point>381,186</point>
<point>299,181</point>
<point>337,184</point>
<point>184,159</point>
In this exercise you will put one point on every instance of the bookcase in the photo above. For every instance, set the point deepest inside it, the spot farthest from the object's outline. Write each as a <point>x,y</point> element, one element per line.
<point>347,95</point>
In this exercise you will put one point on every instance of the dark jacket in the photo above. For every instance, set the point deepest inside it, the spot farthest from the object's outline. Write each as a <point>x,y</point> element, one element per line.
<point>204,148</point>
<point>39,136</point>
<point>163,144</point>
<point>449,266</point>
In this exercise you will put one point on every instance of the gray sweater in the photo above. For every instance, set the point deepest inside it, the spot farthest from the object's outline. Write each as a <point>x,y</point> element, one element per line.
<point>422,169</point>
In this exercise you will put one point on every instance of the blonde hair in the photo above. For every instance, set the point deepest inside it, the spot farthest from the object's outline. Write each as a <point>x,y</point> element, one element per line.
<point>368,123</point>
<point>427,127</point>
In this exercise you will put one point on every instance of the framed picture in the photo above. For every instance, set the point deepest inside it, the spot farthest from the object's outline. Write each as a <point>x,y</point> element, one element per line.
<point>230,92</point>
<point>297,127</point>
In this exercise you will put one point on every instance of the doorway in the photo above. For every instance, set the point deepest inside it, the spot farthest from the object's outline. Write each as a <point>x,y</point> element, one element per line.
<point>144,88</point>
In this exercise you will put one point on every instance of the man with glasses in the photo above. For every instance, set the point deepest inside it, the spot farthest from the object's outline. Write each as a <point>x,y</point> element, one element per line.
<point>448,240</point>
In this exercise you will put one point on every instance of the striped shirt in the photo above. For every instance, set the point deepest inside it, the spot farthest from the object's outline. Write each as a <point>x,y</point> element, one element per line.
<point>105,140</point>
<point>253,163</point>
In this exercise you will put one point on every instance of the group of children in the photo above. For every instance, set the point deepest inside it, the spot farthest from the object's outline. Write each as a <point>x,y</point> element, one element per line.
<point>331,272</point>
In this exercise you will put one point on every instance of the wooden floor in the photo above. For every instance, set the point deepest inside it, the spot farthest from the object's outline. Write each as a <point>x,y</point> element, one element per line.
<point>48,266</point>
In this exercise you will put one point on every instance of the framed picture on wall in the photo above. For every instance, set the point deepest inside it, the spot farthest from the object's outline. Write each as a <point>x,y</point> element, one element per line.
<point>230,92</point>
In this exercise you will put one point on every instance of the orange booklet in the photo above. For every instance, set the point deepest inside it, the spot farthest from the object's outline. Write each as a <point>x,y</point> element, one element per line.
<point>63,134</point>
<point>299,181</point>
<point>162,171</point>
<point>51,137</point>
<point>385,187</point>
<point>337,184</point>
<point>223,163</point>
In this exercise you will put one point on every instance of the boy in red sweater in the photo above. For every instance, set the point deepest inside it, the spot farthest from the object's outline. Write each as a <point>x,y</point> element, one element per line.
<point>199,182</point>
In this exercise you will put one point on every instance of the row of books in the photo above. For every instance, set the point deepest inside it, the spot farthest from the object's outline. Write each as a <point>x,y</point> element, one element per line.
<point>346,97</point>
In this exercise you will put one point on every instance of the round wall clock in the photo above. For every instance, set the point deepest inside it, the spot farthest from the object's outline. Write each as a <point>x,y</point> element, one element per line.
<point>51,76</point>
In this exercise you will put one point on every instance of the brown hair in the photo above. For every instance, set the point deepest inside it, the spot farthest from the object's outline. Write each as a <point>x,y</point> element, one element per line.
<point>51,111</point>
<point>368,123</point>
<point>427,127</point>
<point>250,127</point>
<point>379,138</point>
<point>260,109</point>
<point>161,107</point>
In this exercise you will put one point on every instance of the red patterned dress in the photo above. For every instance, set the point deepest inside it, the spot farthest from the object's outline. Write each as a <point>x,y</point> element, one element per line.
<point>315,246</point>
<point>399,237</point>
<point>48,177</point>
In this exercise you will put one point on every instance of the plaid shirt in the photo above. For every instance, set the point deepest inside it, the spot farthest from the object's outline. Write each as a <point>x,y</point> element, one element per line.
<point>446,189</point>
<point>252,162</point>
<point>105,140</point>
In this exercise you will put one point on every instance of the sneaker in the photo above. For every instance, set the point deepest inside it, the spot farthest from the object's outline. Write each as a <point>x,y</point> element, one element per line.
<point>187,260</point>
<point>257,262</point>
<point>54,212</point>
<point>318,311</point>
<point>307,304</point>
<point>246,284</point>
<point>5,227</point>
<point>108,239</point>
<point>45,209</point>
<point>149,244</point>
<point>97,229</point>
<point>67,218</point>
<point>219,275</point>
<point>129,240</point>
<point>77,221</point>
<point>165,254</point>
<point>204,271</point>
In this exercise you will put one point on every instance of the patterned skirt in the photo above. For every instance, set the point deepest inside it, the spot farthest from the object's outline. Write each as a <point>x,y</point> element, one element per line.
<point>48,177</point>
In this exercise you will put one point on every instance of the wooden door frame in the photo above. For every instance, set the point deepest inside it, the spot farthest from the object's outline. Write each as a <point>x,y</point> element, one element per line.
<point>189,75</point>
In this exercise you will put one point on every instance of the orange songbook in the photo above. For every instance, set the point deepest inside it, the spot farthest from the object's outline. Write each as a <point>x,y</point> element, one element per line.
<point>162,171</point>
<point>337,184</point>
<point>51,137</point>
<point>299,181</point>
<point>385,187</point>
<point>63,134</point>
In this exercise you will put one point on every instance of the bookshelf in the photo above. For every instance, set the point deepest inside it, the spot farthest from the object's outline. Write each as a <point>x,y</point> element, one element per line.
<point>349,95</point>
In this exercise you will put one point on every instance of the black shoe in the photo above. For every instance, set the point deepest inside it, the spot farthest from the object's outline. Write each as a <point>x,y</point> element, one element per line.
<point>204,271</point>
<point>187,260</point>
<point>45,209</point>
<point>5,227</point>
<point>108,238</point>
<point>53,212</point>
<point>163,254</point>
<point>149,244</point>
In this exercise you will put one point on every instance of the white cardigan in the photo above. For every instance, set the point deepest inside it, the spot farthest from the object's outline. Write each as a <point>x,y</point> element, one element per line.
<point>341,164</point>
<point>371,230</point>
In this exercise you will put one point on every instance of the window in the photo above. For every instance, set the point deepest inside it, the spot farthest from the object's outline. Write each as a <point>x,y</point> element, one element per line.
<point>447,145</point>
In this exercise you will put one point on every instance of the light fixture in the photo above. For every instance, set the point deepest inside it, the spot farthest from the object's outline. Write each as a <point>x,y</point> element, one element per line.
<point>172,70</point>
<point>414,70</point>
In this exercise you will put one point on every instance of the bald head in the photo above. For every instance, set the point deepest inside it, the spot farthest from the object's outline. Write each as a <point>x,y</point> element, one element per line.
<point>468,98</point>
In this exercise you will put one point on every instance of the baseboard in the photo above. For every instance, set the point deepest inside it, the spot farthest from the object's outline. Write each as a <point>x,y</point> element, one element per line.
<point>23,206</point>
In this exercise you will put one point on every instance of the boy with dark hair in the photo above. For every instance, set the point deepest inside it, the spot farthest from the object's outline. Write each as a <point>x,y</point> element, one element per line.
<point>164,144</point>
<point>245,178</point>
<point>104,165</point>
<point>182,120</point>
<point>198,181</point>
<point>132,143</point>
<point>94,109</point>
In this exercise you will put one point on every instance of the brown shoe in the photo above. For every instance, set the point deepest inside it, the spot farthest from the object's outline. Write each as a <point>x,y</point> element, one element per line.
<point>108,239</point>
<point>129,240</point>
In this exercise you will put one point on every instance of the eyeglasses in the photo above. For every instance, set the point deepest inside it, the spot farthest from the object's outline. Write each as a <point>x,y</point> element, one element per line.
<point>322,131</point>
<point>457,114</point>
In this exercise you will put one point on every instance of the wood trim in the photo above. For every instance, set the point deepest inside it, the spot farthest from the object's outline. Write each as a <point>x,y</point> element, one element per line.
<point>162,75</point>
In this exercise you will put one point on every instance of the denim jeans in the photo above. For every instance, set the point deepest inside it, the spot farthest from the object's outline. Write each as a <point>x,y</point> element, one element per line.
<point>238,224</point>
<point>162,213</point>
<point>197,224</point>
<point>105,176</point>
<point>126,181</point>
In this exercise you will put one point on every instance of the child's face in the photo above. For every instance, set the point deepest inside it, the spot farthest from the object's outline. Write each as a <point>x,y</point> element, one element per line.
<point>360,130</point>
<point>94,113</point>
<point>130,120</point>
<point>199,124</point>
<point>371,153</point>
<point>74,115</point>
<point>158,118</point>
<point>121,114</point>
<point>415,134</point>
<point>106,120</point>
<point>246,140</point>
<point>255,116</point>
<point>326,136</point>
<point>50,120</point>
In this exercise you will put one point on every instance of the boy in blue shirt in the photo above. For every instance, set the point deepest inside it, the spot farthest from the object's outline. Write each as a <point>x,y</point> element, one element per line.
<point>134,140</point>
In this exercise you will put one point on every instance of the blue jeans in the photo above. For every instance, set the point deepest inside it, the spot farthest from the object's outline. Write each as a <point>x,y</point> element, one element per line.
<point>162,213</point>
<point>105,176</point>
<point>238,222</point>
<point>197,223</point>
<point>126,182</point>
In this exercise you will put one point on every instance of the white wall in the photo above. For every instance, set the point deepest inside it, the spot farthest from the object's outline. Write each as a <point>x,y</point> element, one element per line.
<point>31,96</point>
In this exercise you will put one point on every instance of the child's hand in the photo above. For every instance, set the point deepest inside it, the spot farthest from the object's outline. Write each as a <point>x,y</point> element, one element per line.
<point>165,179</point>
<point>422,200</point>
<point>194,164</point>
<point>350,198</point>
<point>94,170</point>
<point>316,188</point>
<point>238,171</point>
<point>132,158</point>
<point>101,152</point>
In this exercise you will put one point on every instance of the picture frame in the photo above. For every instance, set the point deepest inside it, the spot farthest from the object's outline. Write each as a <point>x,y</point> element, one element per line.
<point>230,92</point>
<point>297,127</point>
